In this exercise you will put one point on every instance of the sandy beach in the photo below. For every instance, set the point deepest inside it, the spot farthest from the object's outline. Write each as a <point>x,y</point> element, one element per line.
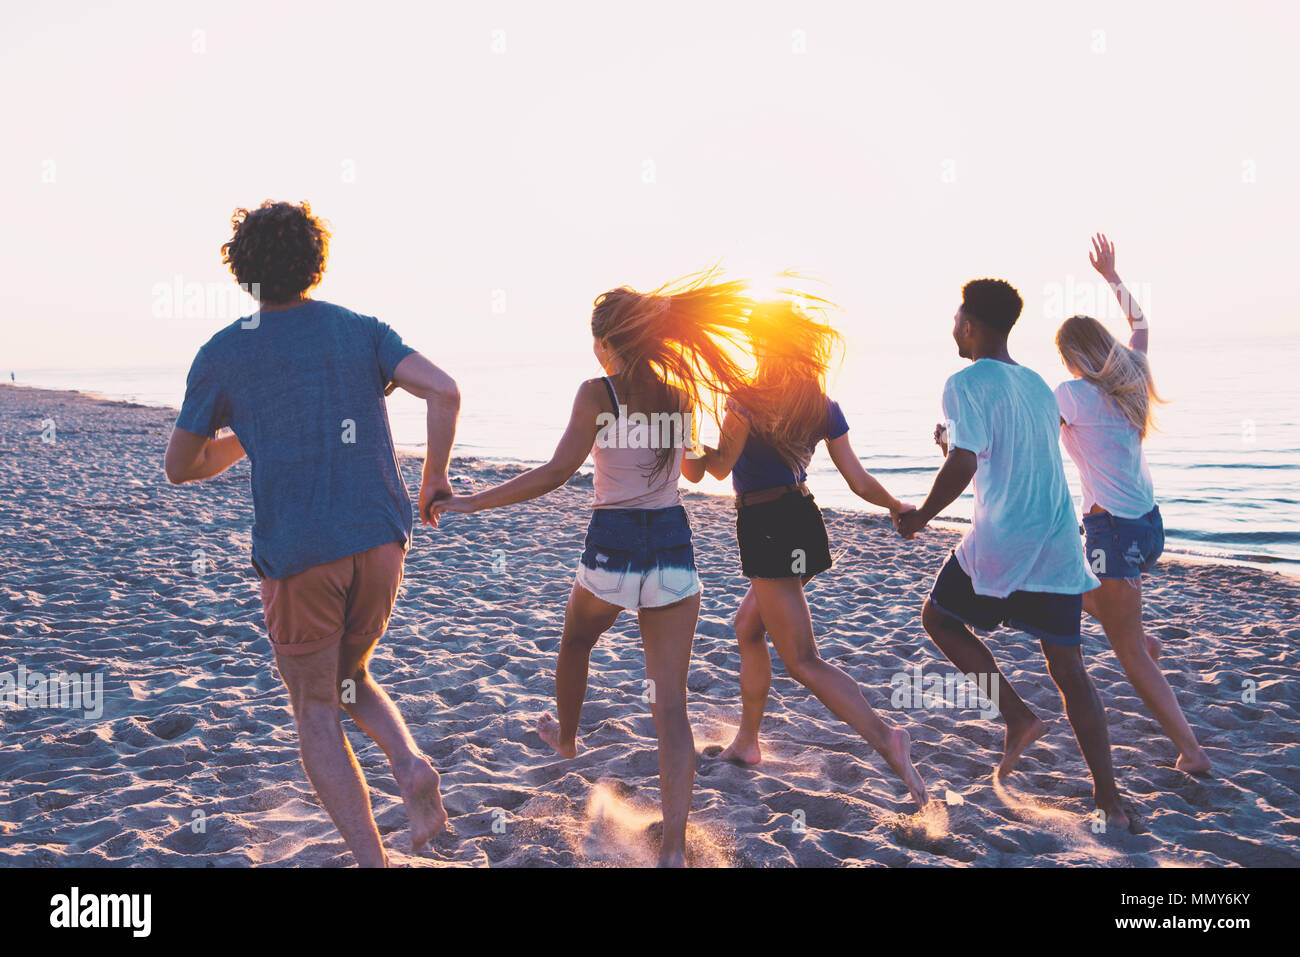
<point>108,570</point>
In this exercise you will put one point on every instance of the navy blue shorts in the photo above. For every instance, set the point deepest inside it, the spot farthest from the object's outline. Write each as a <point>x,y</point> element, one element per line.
<point>1123,547</point>
<point>1049,617</point>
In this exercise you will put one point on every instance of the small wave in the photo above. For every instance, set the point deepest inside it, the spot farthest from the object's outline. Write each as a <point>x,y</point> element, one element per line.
<point>1241,465</point>
<point>1262,536</point>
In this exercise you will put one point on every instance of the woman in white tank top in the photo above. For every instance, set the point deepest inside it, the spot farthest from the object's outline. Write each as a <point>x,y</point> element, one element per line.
<point>662,352</point>
<point>1105,414</point>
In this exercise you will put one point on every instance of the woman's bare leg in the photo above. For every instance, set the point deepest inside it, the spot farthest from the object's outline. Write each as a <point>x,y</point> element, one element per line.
<point>755,681</point>
<point>586,618</point>
<point>666,635</point>
<point>1117,605</point>
<point>784,611</point>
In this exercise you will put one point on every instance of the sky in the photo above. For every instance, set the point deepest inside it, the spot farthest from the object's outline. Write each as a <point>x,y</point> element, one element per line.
<point>488,169</point>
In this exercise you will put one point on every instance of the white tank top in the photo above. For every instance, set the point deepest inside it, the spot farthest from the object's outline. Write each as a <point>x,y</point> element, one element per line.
<point>626,451</point>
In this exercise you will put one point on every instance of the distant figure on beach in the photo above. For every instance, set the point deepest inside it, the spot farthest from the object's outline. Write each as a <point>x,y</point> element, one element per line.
<point>301,384</point>
<point>773,424</point>
<point>1105,415</point>
<point>1020,563</point>
<point>660,351</point>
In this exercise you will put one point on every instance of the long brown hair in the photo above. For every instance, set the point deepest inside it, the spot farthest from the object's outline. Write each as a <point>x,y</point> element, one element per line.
<point>1122,373</point>
<point>794,346</point>
<point>681,345</point>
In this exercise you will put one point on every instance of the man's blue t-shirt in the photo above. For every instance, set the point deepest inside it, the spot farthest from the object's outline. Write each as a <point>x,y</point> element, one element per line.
<point>303,389</point>
<point>760,466</point>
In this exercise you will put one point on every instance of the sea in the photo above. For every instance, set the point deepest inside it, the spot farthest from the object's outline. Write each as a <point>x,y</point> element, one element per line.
<point>1225,458</point>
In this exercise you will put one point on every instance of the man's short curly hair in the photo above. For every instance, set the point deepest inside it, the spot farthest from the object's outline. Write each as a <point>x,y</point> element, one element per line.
<point>278,251</point>
<point>993,302</point>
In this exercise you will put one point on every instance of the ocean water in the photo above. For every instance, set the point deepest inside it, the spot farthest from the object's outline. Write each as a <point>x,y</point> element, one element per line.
<point>1225,461</point>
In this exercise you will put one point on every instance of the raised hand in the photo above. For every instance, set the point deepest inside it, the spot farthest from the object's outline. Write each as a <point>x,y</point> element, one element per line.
<point>1102,257</point>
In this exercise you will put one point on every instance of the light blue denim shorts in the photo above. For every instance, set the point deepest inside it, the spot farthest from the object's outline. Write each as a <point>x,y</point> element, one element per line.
<point>1123,547</point>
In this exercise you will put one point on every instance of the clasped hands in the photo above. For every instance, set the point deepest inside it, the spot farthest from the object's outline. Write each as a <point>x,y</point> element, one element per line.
<point>908,520</point>
<point>436,498</point>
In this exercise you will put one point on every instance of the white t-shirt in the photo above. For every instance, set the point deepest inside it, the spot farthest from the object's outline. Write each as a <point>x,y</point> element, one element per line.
<point>1025,535</point>
<point>1107,449</point>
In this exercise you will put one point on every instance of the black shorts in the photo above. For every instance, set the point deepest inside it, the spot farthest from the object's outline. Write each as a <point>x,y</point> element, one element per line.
<point>1049,617</point>
<point>783,538</point>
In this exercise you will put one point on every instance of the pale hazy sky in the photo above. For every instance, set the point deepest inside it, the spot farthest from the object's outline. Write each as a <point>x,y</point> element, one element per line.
<point>553,150</point>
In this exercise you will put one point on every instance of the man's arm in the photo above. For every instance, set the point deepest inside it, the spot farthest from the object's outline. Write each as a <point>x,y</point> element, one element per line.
<point>191,457</point>
<point>420,377</point>
<point>958,470</point>
<point>1102,258</point>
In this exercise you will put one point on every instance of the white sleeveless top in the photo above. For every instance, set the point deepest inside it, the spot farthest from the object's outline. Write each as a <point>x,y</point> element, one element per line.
<point>626,451</point>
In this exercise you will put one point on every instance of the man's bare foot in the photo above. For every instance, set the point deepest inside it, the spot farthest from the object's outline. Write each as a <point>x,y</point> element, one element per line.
<point>898,755</point>
<point>423,800</point>
<point>548,729</point>
<point>742,752</point>
<point>1017,740</point>
<point>1195,763</point>
<point>1154,647</point>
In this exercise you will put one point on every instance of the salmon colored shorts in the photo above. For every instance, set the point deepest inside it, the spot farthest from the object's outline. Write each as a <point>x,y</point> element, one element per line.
<point>348,599</point>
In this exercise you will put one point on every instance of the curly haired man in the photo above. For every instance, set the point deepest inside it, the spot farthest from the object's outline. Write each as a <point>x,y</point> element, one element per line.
<point>300,386</point>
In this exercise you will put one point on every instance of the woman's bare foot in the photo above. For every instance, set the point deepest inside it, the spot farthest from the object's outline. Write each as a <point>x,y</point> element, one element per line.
<point>548,729</point>
<point>898,755</point>
<point>1017,740</point>
<point>1196,763</point>
<point>1154,647</point>
<point>421,795</point>
<point>742,752</point>
<point>1115,816</point>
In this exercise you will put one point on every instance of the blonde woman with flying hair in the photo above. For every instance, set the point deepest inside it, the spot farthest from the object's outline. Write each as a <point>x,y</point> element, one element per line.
<point>772,425</point>
<point>664,353</point>
<point>1105,415</point>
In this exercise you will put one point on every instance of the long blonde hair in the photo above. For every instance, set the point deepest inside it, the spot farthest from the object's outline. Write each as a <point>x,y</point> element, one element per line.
<point>681,345</point>
<point>1122,373</point>
<point>785,400</point>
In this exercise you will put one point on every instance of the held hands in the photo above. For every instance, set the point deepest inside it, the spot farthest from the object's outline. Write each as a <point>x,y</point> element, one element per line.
<point>903,513</point>
<point>1102,258</point>
<point>908,522</point>
<point>433,488</point>
<point>460,504</point>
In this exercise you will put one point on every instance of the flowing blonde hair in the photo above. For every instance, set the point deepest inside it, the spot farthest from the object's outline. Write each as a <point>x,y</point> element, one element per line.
<point>1122,373</point>
<point>785,399</point>
<point>686,337</point>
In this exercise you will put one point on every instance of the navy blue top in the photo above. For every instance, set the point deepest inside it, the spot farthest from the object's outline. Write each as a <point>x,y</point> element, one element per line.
<point>761,466</point>
<point>303,389</point>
